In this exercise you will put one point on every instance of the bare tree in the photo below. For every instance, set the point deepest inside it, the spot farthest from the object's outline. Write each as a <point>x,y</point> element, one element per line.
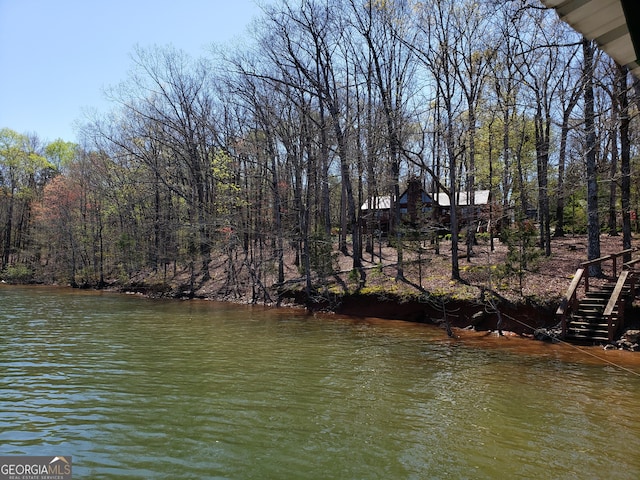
<point>475,50</point>
<point>593,222</point>
<point>168,102</point>
<point>570,94</point>
<point>309,43</point>
<point>625,158</point>
<point>436,51</point>
<point>383,27</point>
<point>542,72</point>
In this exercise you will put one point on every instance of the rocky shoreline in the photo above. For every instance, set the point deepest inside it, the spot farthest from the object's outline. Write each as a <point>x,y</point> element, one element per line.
<point>526,318</point>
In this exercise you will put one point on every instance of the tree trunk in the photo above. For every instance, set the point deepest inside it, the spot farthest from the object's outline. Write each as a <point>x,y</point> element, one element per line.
<point>8,226</point>
<point>471,181</point>
<point>625,161</point>
<point>542,129</point>
<point>564,133</point>
<point>277,215</point>
<point>593,222</point>
<point>453,204</point>
<point>613,171</point>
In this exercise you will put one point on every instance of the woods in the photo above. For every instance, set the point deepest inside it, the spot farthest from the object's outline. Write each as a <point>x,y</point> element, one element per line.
<point>245,157</point>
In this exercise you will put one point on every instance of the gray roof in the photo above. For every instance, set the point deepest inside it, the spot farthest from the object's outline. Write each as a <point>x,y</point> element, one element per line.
<point>481,197</point>
<point>378,203</point>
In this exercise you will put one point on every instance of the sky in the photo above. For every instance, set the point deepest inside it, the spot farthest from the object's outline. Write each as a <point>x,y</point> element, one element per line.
<point>58,56</point>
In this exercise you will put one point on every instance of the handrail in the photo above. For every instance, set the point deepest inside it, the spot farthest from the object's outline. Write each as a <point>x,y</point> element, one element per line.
<point>569,300</point>
<point>631,263</point>
<point>613,257</point>
<point>571,292</point>
<point>613,301</point>
<point>596,261</point>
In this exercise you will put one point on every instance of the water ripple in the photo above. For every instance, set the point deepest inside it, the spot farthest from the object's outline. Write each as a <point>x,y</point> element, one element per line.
<point>141,389</point>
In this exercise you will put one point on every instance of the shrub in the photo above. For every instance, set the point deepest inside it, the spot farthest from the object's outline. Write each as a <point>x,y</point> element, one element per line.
<point>522,254</point>
<point>484,236</point>
<point>17,274</point>
<point>354,276</point>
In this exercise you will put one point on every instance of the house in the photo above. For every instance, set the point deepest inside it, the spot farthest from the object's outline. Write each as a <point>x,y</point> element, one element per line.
<point>418,208</point>
<point>375,214</point>
<point>467,212</point>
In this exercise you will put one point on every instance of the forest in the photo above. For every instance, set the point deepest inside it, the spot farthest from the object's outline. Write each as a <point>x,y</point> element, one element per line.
<point>250,165</point>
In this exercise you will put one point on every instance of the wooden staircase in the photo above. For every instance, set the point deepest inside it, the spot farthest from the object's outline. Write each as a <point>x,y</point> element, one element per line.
<point>589,322</point>
<point>597,317</point>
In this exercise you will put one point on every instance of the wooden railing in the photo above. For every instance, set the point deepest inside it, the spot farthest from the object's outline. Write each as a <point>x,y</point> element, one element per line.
<point>599,261</point>
<point>631,265</point>
<point>615,323</point>
<point>570,301</point>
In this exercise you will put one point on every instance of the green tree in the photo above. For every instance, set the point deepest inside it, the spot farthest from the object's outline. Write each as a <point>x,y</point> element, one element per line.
<point>60,153</point>
<point>23,172</point>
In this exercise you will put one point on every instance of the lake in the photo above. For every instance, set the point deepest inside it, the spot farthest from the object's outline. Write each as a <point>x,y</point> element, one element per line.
<point>153,389</point>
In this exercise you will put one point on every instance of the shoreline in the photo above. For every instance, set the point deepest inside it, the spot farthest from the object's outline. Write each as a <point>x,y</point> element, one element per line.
<point>525,318</point>
<point>466,318</point>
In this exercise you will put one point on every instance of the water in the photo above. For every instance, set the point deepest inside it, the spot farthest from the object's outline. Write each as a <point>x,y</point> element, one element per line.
<point>148,389</point>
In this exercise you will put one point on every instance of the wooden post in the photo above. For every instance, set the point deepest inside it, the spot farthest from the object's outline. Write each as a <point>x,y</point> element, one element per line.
<point>586,280</point>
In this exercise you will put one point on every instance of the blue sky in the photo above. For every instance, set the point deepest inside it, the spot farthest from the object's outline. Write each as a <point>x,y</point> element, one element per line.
<point>57,56</point>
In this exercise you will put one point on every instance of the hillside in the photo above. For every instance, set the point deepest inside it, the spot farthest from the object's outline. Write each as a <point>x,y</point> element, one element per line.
<point>526,300</point>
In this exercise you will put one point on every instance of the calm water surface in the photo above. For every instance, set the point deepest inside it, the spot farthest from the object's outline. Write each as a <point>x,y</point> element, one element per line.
<point>148,389</point>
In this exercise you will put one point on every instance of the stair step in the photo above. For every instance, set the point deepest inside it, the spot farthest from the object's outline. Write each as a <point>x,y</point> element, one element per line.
<point>588,331</point>
<point>587,338</point>
<point>594,301</point>
<point>591,332</point>
<point>606,292</point>
<point>591,319</point>
<point>592,312</point>
<point>588,325</point>
<point>591,322</point>
<point>588,320</point>
<point>596,298</point>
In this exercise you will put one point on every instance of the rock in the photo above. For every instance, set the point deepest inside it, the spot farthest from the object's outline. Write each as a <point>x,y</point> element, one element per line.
<point>547,334</point>
<point>629,340</point>
<point>631,336</point>
<point>477,318</point>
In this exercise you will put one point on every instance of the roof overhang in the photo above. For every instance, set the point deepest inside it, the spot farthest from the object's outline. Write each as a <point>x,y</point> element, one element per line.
<point>613,24</point>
